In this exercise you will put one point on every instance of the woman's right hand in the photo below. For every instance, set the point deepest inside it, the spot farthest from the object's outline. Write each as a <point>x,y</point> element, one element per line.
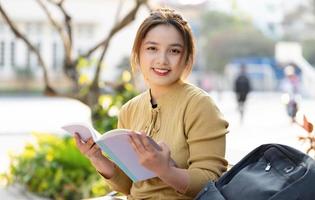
<point>94,154</point>
<point>88,148</point>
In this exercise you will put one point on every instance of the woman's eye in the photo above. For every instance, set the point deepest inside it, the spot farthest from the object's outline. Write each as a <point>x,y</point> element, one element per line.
<point>175,51</point>
<point>152,48</point>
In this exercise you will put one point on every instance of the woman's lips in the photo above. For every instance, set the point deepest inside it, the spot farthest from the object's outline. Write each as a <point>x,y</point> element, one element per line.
<point>161,72</point>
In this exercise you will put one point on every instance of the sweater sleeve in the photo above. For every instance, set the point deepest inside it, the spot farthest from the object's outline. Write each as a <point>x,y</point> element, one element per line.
<point>205,130</point>
<point>120,181</point>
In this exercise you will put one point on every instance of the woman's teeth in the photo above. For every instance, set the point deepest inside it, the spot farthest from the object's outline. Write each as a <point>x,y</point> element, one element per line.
<point>161,70</point>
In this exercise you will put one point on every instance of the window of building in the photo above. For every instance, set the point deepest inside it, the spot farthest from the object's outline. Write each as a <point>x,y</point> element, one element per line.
<point>32,61</point>
<point>57,56</point>
<point>12,53</point>
<point>54,56</point>
<point>28,57</point>
<point>38,47</point>
<point>2,53</point>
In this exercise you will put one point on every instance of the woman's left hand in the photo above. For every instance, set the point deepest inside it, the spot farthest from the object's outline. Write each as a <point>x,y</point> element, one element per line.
<point>156,160</point>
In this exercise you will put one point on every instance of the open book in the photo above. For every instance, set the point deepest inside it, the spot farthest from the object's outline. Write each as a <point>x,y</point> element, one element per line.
<point>115,144</point>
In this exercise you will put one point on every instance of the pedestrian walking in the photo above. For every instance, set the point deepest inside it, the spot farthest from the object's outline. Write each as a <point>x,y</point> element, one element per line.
<point>242,87</point>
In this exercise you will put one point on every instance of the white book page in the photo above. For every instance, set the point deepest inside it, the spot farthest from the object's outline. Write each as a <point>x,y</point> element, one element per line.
<point>116,132</point>
<point>85,131</point>
<point>116,145</point>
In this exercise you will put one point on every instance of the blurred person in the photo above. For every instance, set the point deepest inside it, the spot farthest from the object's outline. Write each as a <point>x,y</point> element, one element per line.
<point>181,116</point>
<point>291,82</point>
<point>242,87</point>
<point>290,87</point>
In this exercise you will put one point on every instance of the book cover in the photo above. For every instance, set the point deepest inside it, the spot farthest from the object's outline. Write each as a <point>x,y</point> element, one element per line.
<point>115,144</point>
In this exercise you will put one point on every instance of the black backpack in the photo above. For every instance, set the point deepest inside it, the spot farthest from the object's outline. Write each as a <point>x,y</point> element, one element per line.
<point>269,172</point>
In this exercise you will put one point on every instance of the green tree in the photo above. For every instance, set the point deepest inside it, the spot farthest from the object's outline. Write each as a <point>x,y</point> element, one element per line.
<point>213,21</point>
<point>299,26</point>
<point>309,50</point>
<point>226,37</point>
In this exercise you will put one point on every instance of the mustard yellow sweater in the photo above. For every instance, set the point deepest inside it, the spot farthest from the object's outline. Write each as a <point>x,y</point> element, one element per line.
<point>187,120</point>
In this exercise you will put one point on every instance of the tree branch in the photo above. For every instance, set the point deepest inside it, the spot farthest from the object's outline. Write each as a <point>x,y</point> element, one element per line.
<point>67,19</point>
<point>66,37</point>
<point>18,34</point>
<point>119,8</point>
<point>49,16</point>
<point>124,22</point>
<point>58,27</point>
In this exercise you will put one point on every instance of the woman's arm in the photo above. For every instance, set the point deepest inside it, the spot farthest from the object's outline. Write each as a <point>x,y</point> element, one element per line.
<point>205,130</point>
<point>94,154</point>
<point>112,174</point>
<point>177,178</point>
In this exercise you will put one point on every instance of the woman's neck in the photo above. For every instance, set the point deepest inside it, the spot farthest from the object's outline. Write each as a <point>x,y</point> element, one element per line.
<point>157,92</point>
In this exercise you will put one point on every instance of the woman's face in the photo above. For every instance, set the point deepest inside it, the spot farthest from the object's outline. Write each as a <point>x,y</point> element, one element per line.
<point>161,56</point>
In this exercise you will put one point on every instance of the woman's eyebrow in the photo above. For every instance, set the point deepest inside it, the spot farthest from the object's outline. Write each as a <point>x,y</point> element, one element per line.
<point>176,45</point>
<point>155,43</point>
<point>151,42</point>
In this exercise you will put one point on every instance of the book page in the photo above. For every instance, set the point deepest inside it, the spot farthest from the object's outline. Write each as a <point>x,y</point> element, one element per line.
<point>116,132</point>
<point>120,151</point>
<point>84,130</point>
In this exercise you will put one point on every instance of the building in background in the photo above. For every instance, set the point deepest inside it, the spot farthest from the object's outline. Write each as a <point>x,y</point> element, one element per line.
<point>92,21</point>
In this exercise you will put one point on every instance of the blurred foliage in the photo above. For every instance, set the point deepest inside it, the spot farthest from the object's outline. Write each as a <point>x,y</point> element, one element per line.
<point>227,37</point>
<point>299,24</point>
<point>224,47</point>
<point>117,92</point>
<point>213,21</point>
<point>124,63</point>
<point>309,50</point>
<point>53,167</point>
<point>104,114</point>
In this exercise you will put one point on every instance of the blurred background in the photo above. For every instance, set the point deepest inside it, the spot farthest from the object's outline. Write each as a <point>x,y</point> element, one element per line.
<point>64,61</point>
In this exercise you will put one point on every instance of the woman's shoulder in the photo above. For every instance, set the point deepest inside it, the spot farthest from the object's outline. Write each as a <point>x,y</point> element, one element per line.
<point>195,93</point>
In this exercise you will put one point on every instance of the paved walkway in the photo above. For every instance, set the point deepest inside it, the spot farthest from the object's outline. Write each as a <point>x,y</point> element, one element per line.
<point>17,193</point>
<point>265,121</point>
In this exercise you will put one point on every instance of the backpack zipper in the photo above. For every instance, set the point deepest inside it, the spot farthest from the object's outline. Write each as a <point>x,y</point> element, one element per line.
<point>268,167</point>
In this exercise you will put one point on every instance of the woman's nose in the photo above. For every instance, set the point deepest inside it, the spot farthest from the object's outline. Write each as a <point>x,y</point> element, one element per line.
<point>163,59</point>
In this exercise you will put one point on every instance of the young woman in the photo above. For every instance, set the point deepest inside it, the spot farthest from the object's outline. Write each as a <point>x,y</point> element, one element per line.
<point>179,115</point>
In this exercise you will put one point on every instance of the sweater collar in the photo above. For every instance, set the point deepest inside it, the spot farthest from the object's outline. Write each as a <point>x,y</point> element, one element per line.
<point>172,93</point>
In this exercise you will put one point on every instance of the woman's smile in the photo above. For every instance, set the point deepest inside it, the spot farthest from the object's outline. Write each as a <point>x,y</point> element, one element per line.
<point>161,71</point>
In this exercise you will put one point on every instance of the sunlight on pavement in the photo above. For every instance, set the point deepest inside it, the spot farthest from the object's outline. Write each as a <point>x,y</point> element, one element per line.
<point>265,121</point>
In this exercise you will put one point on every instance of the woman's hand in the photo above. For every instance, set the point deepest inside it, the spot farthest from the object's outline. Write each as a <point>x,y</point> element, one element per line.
<point>88,148</point>
<point>94,154</point>
<point>159,161</point>
<point>156,160</point>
